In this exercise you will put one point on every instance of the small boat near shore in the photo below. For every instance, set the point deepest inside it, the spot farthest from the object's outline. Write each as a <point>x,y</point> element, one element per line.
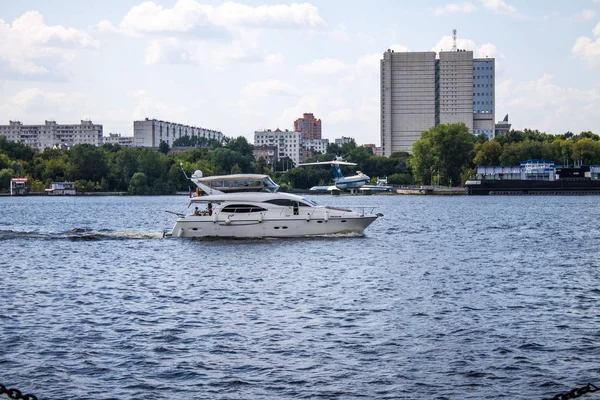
<point>266,213</point>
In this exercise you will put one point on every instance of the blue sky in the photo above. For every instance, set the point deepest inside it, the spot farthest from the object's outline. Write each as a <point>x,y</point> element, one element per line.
<point>238,67</point>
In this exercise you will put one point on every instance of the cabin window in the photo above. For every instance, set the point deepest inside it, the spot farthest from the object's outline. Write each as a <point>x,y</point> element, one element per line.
<point>282,202</point>
<point>242,208</point>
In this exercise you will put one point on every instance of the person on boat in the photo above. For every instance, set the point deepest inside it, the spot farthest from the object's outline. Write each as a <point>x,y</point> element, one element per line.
<point>196,211</point>
<point>209,208</point>
<point>197,192</point>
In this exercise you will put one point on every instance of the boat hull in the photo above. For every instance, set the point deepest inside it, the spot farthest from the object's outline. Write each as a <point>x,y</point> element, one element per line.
<point>198,227</point>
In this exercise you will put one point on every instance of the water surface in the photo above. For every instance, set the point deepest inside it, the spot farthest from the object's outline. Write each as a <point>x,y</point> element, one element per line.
<point>443,298</point>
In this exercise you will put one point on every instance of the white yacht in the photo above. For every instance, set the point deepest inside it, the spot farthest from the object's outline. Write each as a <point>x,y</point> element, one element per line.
<point>263,214</point>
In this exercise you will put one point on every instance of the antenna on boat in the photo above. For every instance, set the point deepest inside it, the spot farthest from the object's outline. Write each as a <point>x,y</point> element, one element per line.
<point>181,165</point>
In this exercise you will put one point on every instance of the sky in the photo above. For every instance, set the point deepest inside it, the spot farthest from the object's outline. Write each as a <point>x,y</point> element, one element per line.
<point>239,67</point>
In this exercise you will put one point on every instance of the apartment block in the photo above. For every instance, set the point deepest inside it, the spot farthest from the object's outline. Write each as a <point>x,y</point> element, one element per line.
<point>117,138</point>
<point>287,142</point>
<point>150,132</point>
<point>309,126</point>
<point>52,134</point>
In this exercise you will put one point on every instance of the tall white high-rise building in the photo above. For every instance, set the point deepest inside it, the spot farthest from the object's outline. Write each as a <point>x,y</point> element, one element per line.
<point>419,91</point>
<point>408,98</point>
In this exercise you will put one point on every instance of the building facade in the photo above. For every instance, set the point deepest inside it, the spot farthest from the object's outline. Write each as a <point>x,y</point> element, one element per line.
<point>269,153</point>
<point>408,98</point>
<point>343,140</point>
<point>455,88</point>
<point>484,94</point>
<point>420,90</point>
<point>309,126</point>
<point>116,138</point>
<point>287,142</point>
<point>150,132</point>
<point>503,127</point>
<point>52,134</point>
<point>311,147</point>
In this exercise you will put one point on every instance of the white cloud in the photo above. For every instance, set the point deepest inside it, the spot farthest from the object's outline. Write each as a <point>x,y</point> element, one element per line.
<point>498,7</point>
<point>339,33</point>
<point>586,15</point>
<point>324,66</point>
<point>454,8</point>
<point>269,88</point>
<point>445,44</point>
<point>105,26</point>
<point>151,17</point>
<point>33,105</point>
<point>147,106</point>
<point>274,59</point>
<point>191,32</point>
<point>34,49</point>
<point>188,15</point>
<point>295,15</point>
<point>483,51</point>
<point>486,50</point>
<point>399,48</point>
<point>572,109</point>
<point>596,30</point>
<point>588,49</point>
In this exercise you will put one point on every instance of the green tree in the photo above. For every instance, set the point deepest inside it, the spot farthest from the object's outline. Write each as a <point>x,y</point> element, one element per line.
<point>587,151</point>
<point>4,161</point>
<point>55,170</point>
<point>446,149</point>
<point>138,185</point>
<point>6,174</point>
<point>163,147</point>
<point>16,150</point>
<point>241,145</point>
<point>86,162</point>
<point>488,153</point>
<point>84,186</point>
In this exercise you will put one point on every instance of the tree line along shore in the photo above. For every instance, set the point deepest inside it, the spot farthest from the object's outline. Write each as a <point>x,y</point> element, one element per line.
<point>446,155</point>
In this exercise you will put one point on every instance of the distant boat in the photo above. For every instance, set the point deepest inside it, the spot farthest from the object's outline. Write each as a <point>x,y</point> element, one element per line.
<point>61,189</point>
<point>381,186</point>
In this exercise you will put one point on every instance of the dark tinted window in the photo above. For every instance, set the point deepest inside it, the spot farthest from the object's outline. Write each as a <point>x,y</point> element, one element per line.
<point>242,208</point>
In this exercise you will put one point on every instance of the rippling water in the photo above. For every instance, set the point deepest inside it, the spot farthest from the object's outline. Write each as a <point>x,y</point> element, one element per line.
<point>443,298</point>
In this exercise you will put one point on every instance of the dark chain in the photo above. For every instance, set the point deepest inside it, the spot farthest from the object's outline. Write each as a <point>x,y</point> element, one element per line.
<point>589,388</point>
<point>16,394</point>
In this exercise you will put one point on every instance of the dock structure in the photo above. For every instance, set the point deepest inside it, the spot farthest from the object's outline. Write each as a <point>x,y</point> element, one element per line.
<point>431,190</point>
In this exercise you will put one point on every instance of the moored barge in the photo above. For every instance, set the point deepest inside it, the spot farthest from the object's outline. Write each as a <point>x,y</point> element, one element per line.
<point>535,177</point>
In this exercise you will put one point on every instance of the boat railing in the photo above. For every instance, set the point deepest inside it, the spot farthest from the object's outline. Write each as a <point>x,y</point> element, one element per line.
<point>364,210</point>
<point>360,210</point>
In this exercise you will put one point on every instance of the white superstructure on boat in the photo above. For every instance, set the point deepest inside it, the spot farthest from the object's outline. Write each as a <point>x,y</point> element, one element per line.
<point>234,183</point>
